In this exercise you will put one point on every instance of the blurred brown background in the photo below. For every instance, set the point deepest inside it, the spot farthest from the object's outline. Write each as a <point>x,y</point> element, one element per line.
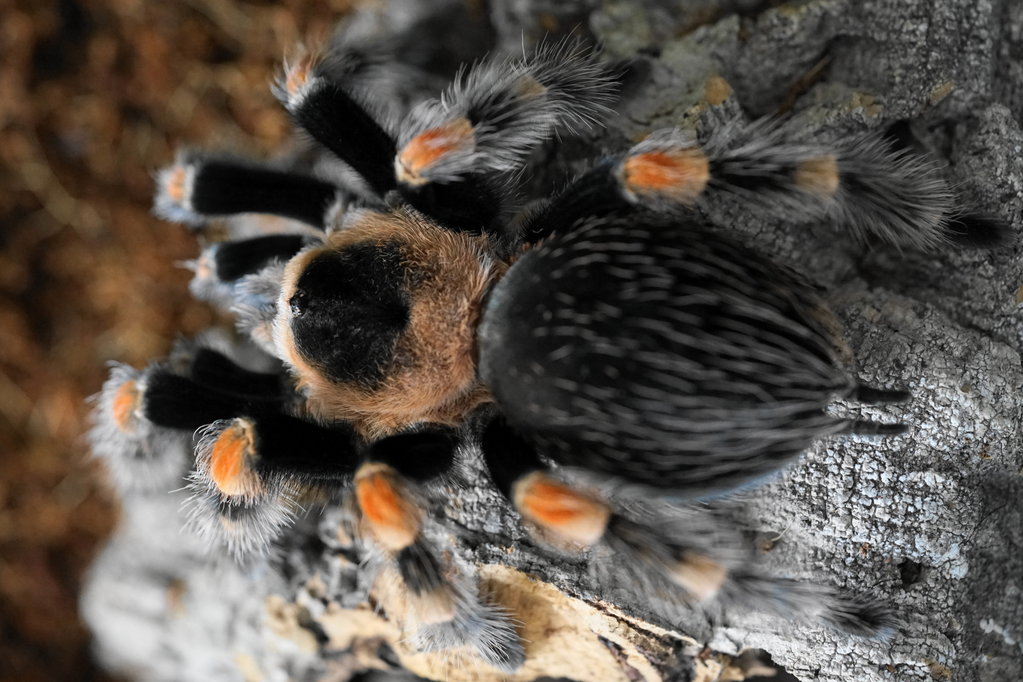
<point>94,96</point>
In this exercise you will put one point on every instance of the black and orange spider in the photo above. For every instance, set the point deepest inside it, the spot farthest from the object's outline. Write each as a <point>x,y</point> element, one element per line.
<point>598,345</point>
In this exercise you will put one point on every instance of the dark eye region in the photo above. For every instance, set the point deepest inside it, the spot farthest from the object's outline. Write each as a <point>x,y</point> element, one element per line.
<point>349,308</point>
<point>298,303</point>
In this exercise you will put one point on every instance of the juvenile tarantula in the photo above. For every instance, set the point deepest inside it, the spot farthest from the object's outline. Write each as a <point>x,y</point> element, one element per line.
<point>603,339</point>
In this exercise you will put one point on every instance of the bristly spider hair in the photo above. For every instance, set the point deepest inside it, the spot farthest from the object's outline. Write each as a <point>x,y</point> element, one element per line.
<point>600,347</point>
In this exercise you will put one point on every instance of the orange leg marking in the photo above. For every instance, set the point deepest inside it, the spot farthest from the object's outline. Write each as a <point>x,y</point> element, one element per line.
<point>228,466</point>
<point>394,521</point>
<point>571,515</point>
<point>426,148</point>
<point>125,401</point>
<point>680,174</point>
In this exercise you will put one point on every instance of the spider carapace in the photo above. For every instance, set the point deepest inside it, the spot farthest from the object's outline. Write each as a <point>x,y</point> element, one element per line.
<point>601,338</point>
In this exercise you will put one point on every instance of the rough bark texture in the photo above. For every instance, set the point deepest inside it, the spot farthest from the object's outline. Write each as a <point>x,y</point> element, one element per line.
<point>930,522</point>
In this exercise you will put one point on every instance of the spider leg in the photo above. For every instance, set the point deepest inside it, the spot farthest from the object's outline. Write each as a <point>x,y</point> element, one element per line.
<point>861,184</point>
<point>216,370</point>
<point>691,553</point>
<point>331,114</point>
<point>142,426</point>
<point>232,260</point>
<point>472,621</point>
<point>198,188</point>
<point>497,112</point>
<point>244,277</point>
<point>444,603</point>
<point>568,516</point>
<point>385,484</point>
<point>140,456</point>
<point>596,192</point>
<point>253,437</point>
<point>455,151</point>
<point>221,265</point>
<point>253,472</point>
<point>180,402</point>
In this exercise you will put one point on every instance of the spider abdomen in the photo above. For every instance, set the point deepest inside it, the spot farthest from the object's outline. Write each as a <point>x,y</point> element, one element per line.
<point>660,353</point>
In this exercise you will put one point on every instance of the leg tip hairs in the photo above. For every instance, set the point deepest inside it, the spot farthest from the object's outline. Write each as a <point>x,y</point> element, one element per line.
<point>977,231</point>
<point>206,285</point>
<point>865,185</point>
<point>451,614</point>
<point>140,456</point>
<point>174,187</point>
<point>860,616</point>
<point>297,77</point>
<point>481,627</point>
<point>231,504</point>
<point>894,195</point>
<point>246,528</point>
<point>580,87</point>
<point>829,606</point>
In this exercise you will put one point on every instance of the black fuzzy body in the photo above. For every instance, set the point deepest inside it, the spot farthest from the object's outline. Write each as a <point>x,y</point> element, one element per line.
<point>655,351</point>
<point>349,309</point>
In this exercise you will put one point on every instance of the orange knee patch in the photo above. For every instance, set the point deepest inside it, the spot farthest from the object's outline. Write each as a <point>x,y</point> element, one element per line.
<point>427,148</point>
<point>231,458</point>
<point>677,174</point>
<point>818,175</point>
<point>393,519</point>
<point>569,514</point>
<point>126,400</point>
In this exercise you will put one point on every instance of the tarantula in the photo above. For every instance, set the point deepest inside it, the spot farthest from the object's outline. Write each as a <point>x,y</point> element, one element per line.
<point>601,339</point>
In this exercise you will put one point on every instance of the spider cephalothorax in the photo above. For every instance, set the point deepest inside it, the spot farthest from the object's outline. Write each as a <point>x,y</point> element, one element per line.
<point>379,322</point>
<point>604,337</point>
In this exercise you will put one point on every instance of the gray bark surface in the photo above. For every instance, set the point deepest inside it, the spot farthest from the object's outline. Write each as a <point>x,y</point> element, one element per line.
<point>930,521</point>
